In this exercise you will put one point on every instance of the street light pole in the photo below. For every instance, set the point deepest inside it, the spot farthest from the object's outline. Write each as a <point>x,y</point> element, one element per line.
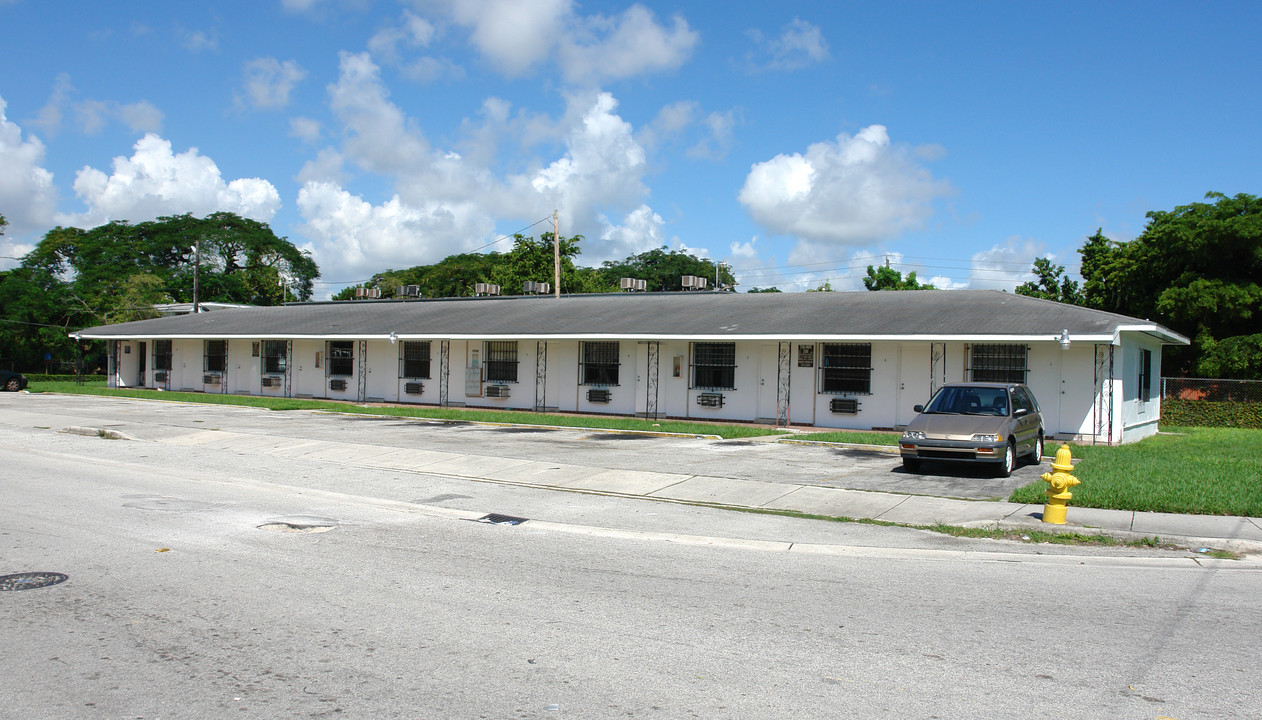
<point>197,266</point>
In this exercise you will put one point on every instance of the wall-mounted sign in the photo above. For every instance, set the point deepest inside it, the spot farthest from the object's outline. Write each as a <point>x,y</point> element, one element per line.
<point>806,356</point>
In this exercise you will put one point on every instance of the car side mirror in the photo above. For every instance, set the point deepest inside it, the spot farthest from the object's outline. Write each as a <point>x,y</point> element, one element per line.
<point>918,409</point>
<point>1020,411</point>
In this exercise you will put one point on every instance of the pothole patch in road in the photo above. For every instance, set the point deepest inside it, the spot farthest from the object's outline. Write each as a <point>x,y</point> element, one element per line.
<point>30,580</point>
<point>497,519</point>
<point>299,524</point>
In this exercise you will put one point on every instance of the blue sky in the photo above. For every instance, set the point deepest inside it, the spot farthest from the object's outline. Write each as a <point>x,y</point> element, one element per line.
<point>798,141</point>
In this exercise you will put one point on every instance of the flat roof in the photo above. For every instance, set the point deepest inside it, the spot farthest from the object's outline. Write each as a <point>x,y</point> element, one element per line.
<point>989,315</point>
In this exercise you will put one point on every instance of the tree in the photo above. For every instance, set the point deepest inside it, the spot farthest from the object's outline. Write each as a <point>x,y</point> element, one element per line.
<point>1195,269</point>
<point>115,272</point>
<point>662,270</point>
<point>772,289</point>
<point>1052,284</point>
<point>885,277</point>
<point>532,259</point>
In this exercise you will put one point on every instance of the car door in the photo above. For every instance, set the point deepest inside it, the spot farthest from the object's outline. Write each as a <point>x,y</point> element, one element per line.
<point>1027,424</point>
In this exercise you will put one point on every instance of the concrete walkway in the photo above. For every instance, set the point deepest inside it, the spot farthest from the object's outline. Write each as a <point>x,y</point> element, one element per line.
<point>1195,531</point>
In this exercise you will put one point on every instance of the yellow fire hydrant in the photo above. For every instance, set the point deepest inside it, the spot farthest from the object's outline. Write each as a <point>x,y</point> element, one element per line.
<point>1058,494</point>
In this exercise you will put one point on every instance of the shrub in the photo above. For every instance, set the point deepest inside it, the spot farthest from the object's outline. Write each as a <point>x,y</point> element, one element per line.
<point>1207,413</point>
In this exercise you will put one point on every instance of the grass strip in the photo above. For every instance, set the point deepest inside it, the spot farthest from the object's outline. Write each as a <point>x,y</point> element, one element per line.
<point>512,417</point>
<point>1201,471</point>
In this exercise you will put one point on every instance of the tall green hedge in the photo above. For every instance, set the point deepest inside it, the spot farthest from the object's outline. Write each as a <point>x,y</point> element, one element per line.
<point>1207,413</point>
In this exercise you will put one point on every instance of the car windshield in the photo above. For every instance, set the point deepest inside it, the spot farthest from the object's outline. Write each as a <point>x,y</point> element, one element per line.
<point>952,400</point>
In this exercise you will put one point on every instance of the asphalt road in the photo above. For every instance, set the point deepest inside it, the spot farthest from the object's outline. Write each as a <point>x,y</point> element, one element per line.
<point>180,602</point>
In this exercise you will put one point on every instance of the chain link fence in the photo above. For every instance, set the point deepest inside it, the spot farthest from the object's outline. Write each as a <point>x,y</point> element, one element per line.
<point>1197,402</point>
<point>1177,388</point>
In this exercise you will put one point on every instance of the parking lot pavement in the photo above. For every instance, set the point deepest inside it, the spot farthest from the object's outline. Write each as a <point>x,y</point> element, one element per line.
<point>854,482</point>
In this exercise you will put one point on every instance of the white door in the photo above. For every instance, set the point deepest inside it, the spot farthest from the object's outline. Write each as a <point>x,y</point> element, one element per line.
<point>768,380</point>
<point>913,381</point>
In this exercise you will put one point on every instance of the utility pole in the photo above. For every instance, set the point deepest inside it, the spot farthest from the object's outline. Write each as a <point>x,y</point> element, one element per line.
<point>197,266</point>
<point>556,255</point>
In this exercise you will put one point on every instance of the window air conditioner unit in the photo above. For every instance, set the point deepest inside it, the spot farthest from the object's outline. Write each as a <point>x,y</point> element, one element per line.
<point>497,391</point>
<point>844,406</point>
<point>413,388</point>
<point>337,384</point>
<point>597,395</point>
<point>210,379</point>
<point>270,382</point>
<point>160,377</point>
<point>710,400</point>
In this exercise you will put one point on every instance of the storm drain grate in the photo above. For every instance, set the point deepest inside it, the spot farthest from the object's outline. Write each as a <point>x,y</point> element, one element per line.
<point>497,519</point>
<point>30,580</point>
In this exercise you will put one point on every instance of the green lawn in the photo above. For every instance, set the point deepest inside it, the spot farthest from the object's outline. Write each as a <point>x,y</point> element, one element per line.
<point>454,414</point>
<point>1203,471</point>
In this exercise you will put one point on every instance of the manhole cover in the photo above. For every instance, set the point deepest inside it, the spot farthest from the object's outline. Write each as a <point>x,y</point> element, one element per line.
<point>497,519</point>
<point>30,580</point>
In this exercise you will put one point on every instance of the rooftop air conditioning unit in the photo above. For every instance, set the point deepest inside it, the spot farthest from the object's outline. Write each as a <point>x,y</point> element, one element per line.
<point>692,282</point>
<point>632,284</point>
<point>483,289</point>
<point>367,293</point>
<point>410,291</point>
<point>530,287</point>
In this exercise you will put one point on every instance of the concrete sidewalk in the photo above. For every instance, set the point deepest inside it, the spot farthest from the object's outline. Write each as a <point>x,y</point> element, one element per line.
<point>1195,531</point>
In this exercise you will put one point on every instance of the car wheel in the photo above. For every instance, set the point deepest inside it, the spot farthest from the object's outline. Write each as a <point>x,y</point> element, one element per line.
<point>1009,460</point>
<point>13,385</point>
<point>1036,455</point>
<point>911,464</point>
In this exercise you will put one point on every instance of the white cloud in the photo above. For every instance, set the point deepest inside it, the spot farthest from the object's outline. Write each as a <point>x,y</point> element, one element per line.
<point>515,37</point>
<point>305,129</point>
<point>381,139</point>
<point>92,116</point>
<point>718,140</point>
<point>1005,266</point>
<point>154,182</point>
<point>140,116</point>
<point>641,229</point>
<point>446,201</point>
<point>599,48</point>
<point>200,41</point>
<point>268,82</point>
<point>355,236</point>
<point>28,198</point>
<point>850,191</point>
<point>800,44</point>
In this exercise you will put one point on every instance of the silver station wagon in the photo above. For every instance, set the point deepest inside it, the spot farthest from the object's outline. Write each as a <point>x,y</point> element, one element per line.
<point>976,422</point>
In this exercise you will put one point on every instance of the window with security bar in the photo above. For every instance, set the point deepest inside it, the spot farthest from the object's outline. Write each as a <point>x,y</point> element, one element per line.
<point>501,361</point>
<point>599,363</point>
<point>998,362</point>
<point>1145,375</point>
<point>846,368</point>
<point>341,358</point>
<point>275,356</point>
<point>714,366</point>
<point>161,354</point>
<point>216,356</point>
<point>415,359</point>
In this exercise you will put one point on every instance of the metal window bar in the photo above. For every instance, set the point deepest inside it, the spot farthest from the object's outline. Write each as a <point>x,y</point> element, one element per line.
<point>714,366</point>
<point>414,360</point>
<point>275,358</point>
<point>846,368</point>
<point>998,362</point>
<point>501,361</point>
<point>216,356</point>
<point>598,364</point>
<point>341,358</point>
<point>161,354</point>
